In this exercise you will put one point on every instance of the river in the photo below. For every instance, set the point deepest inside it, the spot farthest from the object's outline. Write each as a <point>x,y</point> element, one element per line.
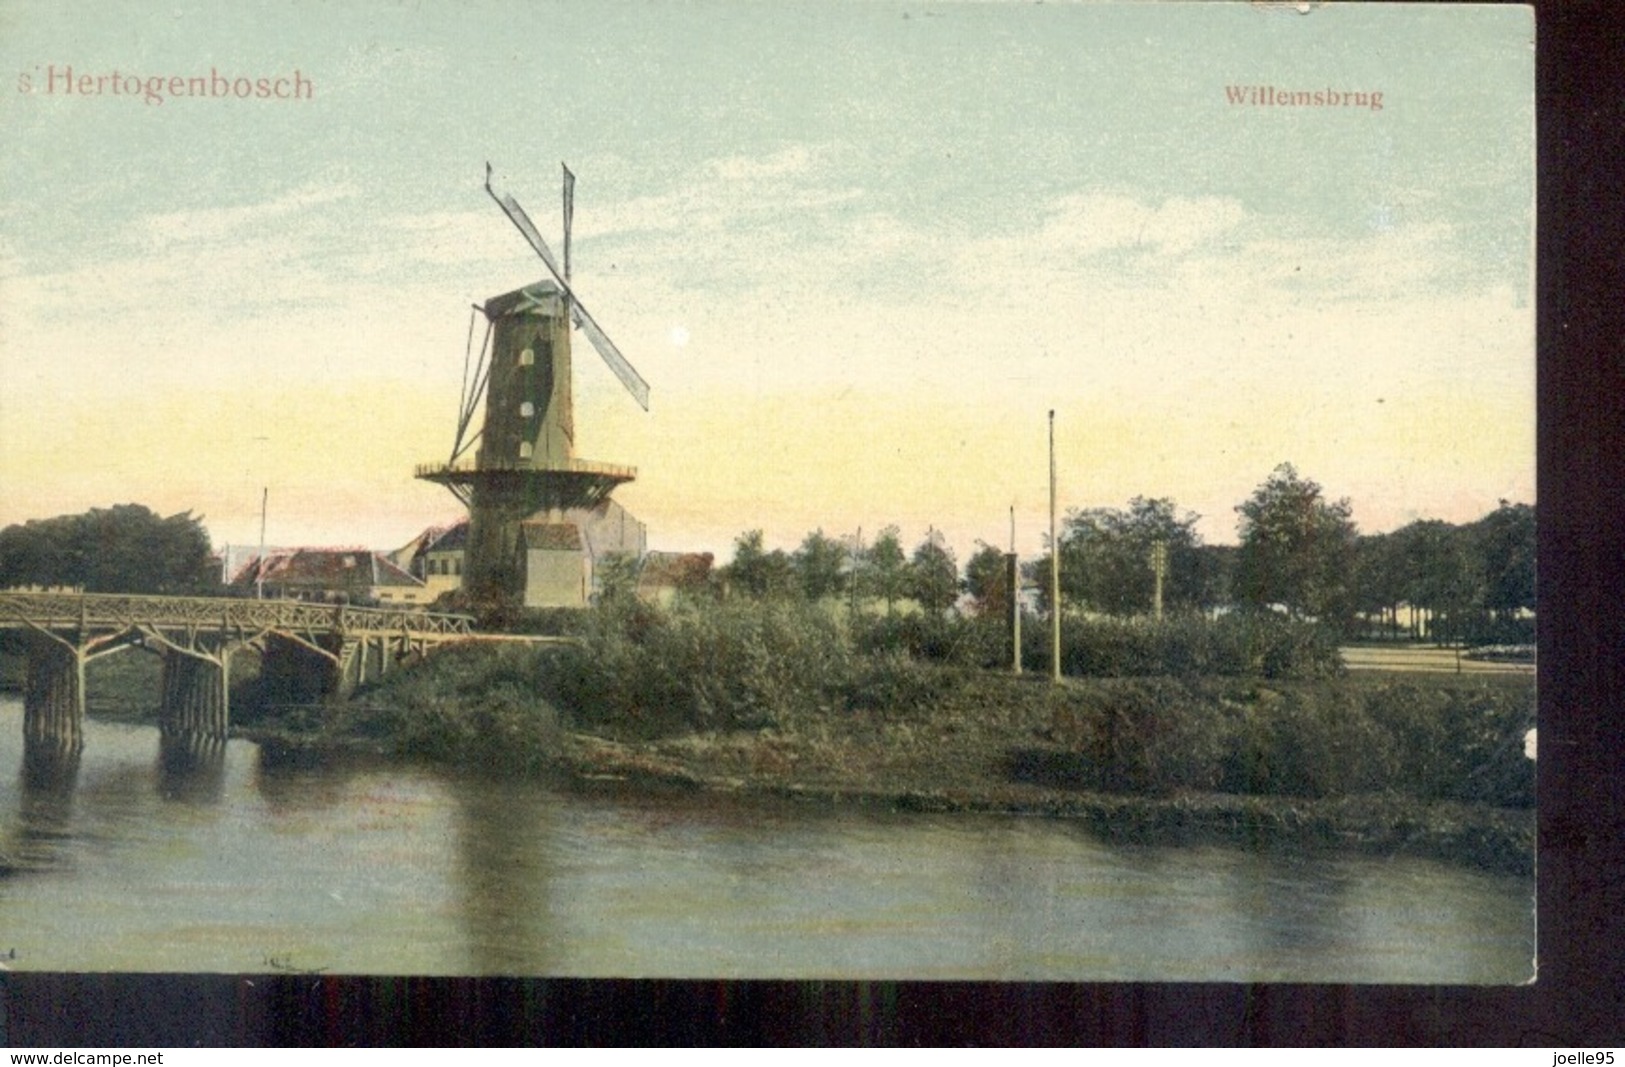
<point>244,866</point>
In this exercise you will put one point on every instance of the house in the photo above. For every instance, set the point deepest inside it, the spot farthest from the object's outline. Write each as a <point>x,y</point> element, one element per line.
<point>435,557</point>
<point>664,575</point>
<point>331,575</point>
<point>234,558</point>
<point>561,550</point>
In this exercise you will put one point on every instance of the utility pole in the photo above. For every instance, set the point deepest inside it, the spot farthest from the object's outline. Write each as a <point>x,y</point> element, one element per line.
<point>1054,567</point>
<point>259,564</point>
<point>1159,567</point>
<point>1012,581</point>
<point>857,563</point>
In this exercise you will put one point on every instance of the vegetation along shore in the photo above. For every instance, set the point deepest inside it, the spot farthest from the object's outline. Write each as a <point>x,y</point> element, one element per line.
<point>1243,728</point>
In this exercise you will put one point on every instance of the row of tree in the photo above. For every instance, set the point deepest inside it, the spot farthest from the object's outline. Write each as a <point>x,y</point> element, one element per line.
<point>1298,551</point>
<point>123,549</point>
<point>1301,552</point>
<point>824,567</point>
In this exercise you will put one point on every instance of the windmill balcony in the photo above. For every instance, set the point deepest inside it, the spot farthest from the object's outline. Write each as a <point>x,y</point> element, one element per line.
<point>576,466</point>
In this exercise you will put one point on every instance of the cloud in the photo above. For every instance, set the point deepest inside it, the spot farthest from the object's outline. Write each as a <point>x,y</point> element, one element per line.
<point>795,159</point>
<point>213,224</point>
<point>1091,223</point>
<point>1213,252</point>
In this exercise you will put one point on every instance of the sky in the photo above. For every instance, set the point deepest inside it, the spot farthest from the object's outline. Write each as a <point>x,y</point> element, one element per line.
<point>858,249</point>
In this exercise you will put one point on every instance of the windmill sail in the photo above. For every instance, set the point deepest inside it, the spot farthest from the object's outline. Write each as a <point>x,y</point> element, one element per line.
<point>569,213</point>
<point>606,348</point>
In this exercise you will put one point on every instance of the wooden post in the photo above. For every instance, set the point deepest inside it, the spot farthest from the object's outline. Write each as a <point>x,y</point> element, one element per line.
<point>1159,567</point>
<point>1054,567</point>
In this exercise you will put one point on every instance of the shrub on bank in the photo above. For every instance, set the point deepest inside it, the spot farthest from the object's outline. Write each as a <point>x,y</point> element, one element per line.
<point>1461,741</point>
<point>1317,741</point>
<point>964,641</point>
<point>702,667</point>
<point>1434,740</point>
<point>1257,644</point>
<point>480,704</point>
<point>1442,739</point>
<point>642,672</point>
<point>1254,644</point>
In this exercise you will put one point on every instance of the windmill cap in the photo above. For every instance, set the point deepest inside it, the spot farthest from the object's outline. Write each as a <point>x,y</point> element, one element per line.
<point>543,296</point>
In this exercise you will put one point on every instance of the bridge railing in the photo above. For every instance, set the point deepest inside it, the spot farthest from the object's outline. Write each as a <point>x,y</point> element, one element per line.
<point>116,609</point>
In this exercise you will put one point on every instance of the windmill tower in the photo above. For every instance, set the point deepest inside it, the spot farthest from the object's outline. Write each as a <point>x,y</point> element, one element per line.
<point>525,475</point>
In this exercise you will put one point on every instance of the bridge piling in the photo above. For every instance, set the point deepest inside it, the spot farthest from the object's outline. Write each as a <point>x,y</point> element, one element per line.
<point>54,696</point>
<point>196,697</point>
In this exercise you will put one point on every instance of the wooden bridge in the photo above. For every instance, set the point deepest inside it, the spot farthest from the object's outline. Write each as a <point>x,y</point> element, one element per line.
<point>308,651</point>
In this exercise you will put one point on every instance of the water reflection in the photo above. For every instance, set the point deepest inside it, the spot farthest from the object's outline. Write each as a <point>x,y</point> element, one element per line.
<point>49,770</point>
<point>291,786</point>
<point>191,767</point>
<point>504,844</point>
<point>46,781</point>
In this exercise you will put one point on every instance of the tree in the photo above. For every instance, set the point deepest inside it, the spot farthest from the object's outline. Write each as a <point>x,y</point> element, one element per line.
<point>988,582</point>
<point>1297,549</point>
<point>756,572</point>
<point>933,575</point>
<point>1440,573</point>
<point>885,568</point>
<point>617,575</point>
<point>123,549</point>
<point>1379,585</point>
<point>1504,541</point>
<point>1213,570</point>
<point>820,566</point>
<point>1106,557</point>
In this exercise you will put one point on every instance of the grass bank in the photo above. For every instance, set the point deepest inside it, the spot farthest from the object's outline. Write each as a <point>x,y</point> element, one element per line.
<point>779,700</point>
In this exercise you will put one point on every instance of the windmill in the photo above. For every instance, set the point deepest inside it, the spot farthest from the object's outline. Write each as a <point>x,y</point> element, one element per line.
<point>524,474</point>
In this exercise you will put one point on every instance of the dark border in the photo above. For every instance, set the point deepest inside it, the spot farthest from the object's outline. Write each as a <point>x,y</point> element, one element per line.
<point>1579,998</point>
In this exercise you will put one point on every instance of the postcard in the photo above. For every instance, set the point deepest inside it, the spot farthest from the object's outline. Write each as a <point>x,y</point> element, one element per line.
<point>835,490</point>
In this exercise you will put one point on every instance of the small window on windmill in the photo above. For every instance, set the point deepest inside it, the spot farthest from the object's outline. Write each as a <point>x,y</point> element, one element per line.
<point>527,409</point>
<point>524,450</point>
<point>527,357</point>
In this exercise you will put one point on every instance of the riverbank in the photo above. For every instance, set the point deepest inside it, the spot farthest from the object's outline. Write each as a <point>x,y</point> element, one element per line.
<point>1419,765</point>
<point>1496,839</point>
<point>748,766</point>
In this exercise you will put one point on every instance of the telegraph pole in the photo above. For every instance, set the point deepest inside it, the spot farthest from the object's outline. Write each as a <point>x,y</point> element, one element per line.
<point>259,564</point>
<point>857,563</point>
<point>1012,581</point>
<point>1054,567</point>
<point>1159,567</point>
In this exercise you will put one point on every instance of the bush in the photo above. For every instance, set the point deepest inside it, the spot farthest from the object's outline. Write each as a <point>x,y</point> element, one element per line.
<point>893,683</point>
<point>474,703</point>
<point>1461,740</point>
<point>1157,736</point>
<point>1254,644</point>
<point>954,639</point>
<point>703,667</point>
<point>1309,742</point>
<point>1433,740</point>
